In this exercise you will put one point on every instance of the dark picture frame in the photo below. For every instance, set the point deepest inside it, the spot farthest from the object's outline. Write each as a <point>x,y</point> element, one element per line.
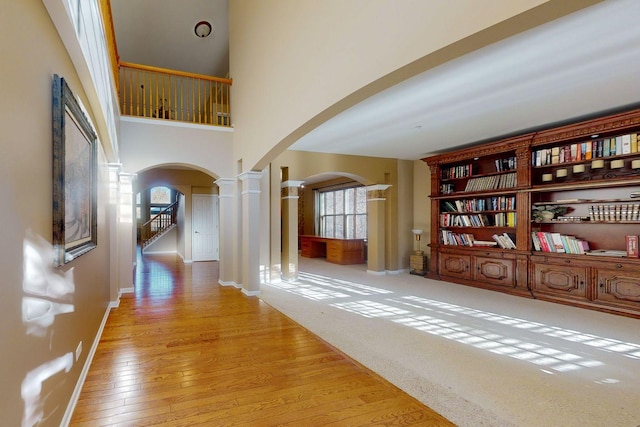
<point>74,177</point>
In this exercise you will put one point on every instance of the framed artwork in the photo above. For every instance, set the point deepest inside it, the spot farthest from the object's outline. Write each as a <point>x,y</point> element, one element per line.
<point>74,177</point>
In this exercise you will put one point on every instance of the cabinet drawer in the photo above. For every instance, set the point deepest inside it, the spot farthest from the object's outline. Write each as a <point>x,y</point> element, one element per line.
<point>560,280</point>
<point>618,287</point>
<point>495,271</point>
<point>455,265</point>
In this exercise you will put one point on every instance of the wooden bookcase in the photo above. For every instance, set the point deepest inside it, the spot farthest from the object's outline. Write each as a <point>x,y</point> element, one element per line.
<point>590,169</point>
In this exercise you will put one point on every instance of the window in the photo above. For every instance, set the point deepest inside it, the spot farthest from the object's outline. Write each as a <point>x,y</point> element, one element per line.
<point>343,213</point>
<point>158,199</point>
<point>160,196</point>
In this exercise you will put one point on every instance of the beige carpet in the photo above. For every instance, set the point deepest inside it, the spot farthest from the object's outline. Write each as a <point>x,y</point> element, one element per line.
<point>479,358</point>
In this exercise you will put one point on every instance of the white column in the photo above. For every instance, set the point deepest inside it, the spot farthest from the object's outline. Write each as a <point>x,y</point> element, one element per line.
<point>250,232</point>
<point>289,209</point>
<point>376,229</point>
<point>126,232</point>
<point>114,240</point>
<point>226,226</point>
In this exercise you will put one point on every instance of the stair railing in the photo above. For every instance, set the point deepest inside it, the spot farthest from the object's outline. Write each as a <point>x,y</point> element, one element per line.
<point>157,225</point>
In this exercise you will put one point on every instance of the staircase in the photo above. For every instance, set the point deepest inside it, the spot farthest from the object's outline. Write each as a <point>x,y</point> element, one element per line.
<point>158,225</point>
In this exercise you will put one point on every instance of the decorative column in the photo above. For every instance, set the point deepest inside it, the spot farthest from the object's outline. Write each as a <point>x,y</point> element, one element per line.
<point>250,232</point>
<point>226,220</point>
<point>114,240</point>
<point>289,256</point>
<point>376,229</point>
<point>126,232</point>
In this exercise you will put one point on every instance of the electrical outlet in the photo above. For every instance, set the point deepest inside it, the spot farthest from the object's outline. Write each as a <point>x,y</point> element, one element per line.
<point>78,351</point>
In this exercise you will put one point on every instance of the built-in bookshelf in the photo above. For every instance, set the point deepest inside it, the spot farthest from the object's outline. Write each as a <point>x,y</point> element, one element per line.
<point>553,214</point>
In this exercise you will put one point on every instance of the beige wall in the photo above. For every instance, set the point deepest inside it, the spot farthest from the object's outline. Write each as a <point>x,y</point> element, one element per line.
<point>297,63</point>
<point>422,202</point>
<point>30,58</point>
<point>365,170</point>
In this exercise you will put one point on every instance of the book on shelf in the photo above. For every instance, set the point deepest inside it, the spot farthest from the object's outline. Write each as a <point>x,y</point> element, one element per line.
<point>505,240</point>
<point>491,182</point>
<point>558,243</point>
<point>485,243</point>
<point>506,164</point>
<point>607,252</point>
<point>456,239</point>
<point>632,246</point>
<point>495,203</point>
<point>582,151</point>
<point>615,212</point>
<point>568,201</point>
<point>460,171</point>
<point>626,144</point>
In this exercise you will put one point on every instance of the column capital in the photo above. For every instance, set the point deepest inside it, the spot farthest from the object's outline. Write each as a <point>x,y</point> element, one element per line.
<point>126,176</point>
<point>291,183</point>
<point>250,175</point>
<point>376,192</point>
<point>290,189</point>
<point>225,187</point>
<point>224,181</point>
<point>250,182</point>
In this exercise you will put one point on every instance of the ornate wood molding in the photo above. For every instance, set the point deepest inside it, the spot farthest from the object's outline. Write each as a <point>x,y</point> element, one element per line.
<point>498,147</point>
<point>616,123</point>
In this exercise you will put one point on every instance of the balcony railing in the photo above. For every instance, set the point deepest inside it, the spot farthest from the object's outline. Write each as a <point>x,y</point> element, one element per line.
<point>164,94</point>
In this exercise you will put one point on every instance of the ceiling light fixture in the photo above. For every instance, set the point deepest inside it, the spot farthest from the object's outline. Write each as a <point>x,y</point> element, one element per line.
<point>202,29</point>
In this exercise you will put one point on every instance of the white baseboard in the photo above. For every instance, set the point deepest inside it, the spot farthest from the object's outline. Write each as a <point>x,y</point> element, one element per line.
<point>223,283</point>
<point>123,291</point>
<point>250,293</point>
<point>66,419</point>
<point>376,273</point>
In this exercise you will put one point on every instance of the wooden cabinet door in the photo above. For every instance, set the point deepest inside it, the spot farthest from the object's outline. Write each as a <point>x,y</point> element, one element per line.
<point>619,287</point>
<point>565,281</point>
<point>455,265</point>
<point>495,271</point>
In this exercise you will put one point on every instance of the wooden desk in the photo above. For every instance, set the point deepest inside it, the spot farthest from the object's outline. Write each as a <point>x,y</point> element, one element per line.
<point>337,251</point>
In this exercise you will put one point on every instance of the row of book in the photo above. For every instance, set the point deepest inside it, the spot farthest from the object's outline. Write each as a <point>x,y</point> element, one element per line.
<point>617,212</point>
<point>492,182</point>
<point>460,171</point>
<point>496,203</point>
<point>447,188</point>
<point>506,164</point>
<point>465,171</point>
<point>504,240</point>
<point>456,239</point>
<point>559,243</point>
<point>624,144</point>
<point>500,219</point>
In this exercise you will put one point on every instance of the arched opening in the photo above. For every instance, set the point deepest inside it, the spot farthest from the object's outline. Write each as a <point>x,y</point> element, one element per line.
<point>169,201</point>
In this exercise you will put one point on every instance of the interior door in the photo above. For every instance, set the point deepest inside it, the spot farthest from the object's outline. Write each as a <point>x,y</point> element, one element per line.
<point>205,235</point>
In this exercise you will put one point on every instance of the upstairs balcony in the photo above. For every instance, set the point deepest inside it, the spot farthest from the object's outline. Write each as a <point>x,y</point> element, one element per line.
<point>163,94</point>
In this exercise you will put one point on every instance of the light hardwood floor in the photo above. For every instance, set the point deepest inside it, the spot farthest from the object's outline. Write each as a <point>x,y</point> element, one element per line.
<point>184,351</point>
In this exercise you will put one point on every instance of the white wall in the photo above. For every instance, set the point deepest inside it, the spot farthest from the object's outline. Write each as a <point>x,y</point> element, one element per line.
<point>146,143</point>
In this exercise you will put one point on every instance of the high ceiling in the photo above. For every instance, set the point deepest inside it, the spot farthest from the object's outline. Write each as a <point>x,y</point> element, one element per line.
<point>576,66</point>
<point>161,33</point>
